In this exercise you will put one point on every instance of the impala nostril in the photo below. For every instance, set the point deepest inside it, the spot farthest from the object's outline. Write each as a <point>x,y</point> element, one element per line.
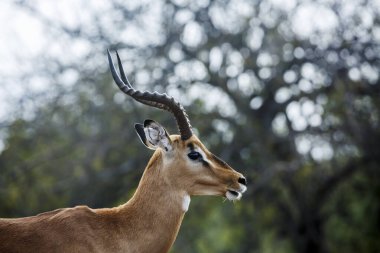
<point>242,180</point>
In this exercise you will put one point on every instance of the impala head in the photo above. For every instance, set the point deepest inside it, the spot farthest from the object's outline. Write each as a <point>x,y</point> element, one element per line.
<point>189,165</point>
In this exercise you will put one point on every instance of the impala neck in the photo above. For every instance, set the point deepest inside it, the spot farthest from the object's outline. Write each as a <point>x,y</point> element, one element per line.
<point>156,209</point>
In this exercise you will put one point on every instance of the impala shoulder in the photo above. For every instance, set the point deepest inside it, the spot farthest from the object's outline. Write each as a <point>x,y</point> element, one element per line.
<point>49,213</point>
<point>77,212</point>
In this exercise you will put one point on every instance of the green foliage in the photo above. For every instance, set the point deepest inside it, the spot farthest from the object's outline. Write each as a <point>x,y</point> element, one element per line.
<point>351,204</point>
<point>312,178</point>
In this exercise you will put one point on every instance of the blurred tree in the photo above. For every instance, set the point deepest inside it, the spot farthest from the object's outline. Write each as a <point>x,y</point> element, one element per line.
<point>288,98</point>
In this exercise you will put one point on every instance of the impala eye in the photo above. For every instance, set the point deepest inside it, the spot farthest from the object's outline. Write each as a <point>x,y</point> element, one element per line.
<point>193,155</point>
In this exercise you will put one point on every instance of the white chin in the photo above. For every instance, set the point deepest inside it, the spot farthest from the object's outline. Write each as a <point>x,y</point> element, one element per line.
<point>233,196</point>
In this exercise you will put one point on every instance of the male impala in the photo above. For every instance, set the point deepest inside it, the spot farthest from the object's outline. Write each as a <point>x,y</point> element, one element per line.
<point>181,166</point>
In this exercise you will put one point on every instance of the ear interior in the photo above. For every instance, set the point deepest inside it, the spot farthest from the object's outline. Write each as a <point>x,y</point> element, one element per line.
<point>153,135</point>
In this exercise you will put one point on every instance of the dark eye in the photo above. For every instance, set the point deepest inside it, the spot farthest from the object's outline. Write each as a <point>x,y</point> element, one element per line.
<point>193,155</point>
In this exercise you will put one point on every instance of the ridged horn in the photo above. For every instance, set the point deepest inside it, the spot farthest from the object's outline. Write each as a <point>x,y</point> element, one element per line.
<point>155,99</point>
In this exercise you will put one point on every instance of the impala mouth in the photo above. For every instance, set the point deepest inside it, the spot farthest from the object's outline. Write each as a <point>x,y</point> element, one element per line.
<point>233,195</point>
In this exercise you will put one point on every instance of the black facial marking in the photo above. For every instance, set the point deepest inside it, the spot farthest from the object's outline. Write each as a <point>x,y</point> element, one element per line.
<point>220,161</point>
<point>190,146</point>
<point>204,163</point>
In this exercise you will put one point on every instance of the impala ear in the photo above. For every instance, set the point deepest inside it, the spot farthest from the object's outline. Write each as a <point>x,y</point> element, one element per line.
<point>153,135</point>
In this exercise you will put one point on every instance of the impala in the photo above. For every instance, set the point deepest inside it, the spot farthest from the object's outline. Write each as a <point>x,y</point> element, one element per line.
<point>180,167</point>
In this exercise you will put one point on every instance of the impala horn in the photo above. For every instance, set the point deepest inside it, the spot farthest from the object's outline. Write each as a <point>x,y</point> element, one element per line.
<point>160,101</point>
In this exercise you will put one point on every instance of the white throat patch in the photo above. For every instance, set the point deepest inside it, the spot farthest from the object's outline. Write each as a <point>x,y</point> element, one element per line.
<point>185,203</point>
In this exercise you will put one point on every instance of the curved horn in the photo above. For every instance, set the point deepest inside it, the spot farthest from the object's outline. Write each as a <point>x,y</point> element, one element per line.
<point>161,101</point>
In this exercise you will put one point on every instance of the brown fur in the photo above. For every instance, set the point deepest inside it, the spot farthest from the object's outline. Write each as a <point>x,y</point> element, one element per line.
<point>148,222</point>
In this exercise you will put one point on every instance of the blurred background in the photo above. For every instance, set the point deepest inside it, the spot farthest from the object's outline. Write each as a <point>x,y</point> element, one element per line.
<point>287,92</point>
